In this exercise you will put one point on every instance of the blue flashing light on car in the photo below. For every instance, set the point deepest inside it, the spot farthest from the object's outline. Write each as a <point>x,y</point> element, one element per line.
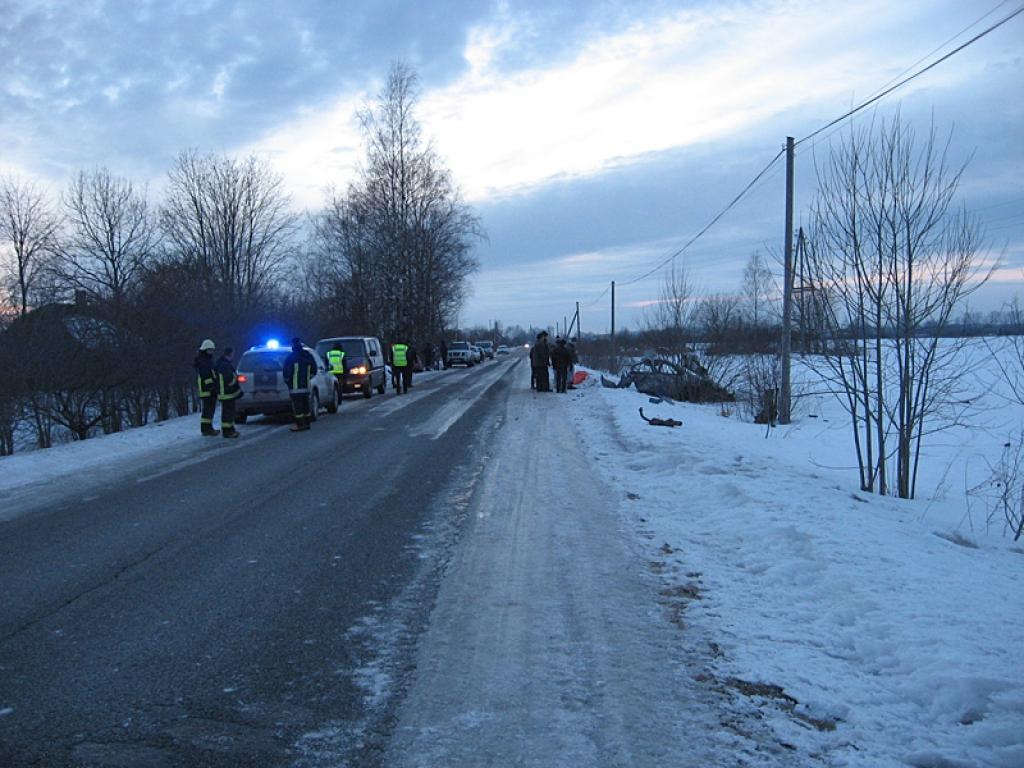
<point>273,344</point>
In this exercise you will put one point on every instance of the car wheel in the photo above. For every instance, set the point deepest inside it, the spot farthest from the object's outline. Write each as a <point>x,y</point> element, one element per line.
<point>314,405</point>
<point>382,387</point>
<point>332,407</point>
<point>368,388</point>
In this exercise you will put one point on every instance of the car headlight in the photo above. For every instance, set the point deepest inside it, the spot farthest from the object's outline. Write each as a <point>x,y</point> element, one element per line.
<point>359,370</point>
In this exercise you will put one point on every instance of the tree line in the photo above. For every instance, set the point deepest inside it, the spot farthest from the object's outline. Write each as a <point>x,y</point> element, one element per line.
<point>106,293</point>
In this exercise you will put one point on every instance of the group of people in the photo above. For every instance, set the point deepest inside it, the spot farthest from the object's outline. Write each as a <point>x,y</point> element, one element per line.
<point>562,357</point>
<point>218,382</point>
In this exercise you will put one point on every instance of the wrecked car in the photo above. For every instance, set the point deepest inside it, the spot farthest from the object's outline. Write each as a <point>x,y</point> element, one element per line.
<point>658,377</point>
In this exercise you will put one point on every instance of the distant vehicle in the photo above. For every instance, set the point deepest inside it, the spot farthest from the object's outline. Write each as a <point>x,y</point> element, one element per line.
<point>502,350</point>
<point>478,355</point>
<point>261,379</point>
<point>459,353</point>
<point>364,363</point>
<point>487,347</point>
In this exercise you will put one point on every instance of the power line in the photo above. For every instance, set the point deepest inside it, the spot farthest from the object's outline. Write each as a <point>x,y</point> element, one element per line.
<point>928,55</point>
<point>711,223</point>
<point>906,80</point>
<point>878,96</point>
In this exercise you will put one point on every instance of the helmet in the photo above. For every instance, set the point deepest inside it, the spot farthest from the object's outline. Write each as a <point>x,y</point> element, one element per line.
<point>207,345</point>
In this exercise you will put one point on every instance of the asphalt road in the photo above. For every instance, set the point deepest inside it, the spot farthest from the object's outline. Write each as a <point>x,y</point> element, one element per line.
<point>232,607</point>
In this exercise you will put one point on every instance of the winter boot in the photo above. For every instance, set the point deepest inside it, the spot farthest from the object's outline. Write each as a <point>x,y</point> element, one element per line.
<point>231,432</point>
<point>210,432</point>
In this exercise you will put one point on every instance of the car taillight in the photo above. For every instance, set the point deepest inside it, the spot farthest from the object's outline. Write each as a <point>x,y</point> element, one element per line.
<point>242,378</point>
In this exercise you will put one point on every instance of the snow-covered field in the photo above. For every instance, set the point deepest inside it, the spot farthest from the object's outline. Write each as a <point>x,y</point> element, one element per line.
<point>871,631</point>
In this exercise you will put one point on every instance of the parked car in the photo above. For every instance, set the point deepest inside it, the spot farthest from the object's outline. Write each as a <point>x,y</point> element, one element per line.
<point>502,350</point>
<point>478,355</point>
<point>459,353</point>
<point>261,379</point>
<point>364,363</point>
<point>487,347</point>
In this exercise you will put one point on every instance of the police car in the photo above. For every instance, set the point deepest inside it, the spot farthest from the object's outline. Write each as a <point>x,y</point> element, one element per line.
<point>261,379</point>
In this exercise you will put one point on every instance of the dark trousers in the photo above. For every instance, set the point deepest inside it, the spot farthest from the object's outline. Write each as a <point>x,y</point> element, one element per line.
<point>300,407</point>
<point>227,414</point>
<point>540,374</point>
<point>402,377</point>
<point>209,408</point>
<point>561,379</point>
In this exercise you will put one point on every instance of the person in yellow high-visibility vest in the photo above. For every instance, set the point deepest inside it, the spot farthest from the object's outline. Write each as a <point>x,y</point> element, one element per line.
<point>401,366</point>
<point>336,362</point>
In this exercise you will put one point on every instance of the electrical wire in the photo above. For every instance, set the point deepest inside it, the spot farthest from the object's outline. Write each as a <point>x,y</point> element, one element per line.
<point>928,55</point>
<point>711,223</point>
<point>763,176</point>
<point>917,74</point>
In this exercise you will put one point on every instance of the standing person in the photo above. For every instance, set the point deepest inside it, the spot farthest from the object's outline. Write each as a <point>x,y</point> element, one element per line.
<point>561,359</point>
<point>299,369</point>
<point>428,356</point>
<point>336,362</point>
<point>571,346</point>
<point>203,365</point>
<point>540,359</point>
<point>401,366</point>
<point>228,392</point>
<point>444,353</point>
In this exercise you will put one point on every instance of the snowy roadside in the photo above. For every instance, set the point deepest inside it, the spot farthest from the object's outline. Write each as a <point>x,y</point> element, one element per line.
<point>165,444</point>
<point>865,638</point>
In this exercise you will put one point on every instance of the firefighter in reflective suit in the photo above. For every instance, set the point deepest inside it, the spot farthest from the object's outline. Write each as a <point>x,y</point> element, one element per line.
<point>299,369</point>
<point>203,365</point>
<point>227,392</point>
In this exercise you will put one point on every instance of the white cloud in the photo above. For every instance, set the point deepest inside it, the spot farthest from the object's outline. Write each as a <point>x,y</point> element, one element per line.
<point>662,83</point>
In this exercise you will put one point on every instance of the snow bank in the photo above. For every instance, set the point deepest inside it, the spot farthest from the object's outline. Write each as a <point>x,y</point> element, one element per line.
<point>903,641</point>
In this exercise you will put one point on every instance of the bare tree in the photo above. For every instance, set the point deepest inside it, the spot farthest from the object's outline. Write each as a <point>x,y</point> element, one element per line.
<point>28,236</point>
<point>672,319</point>
<point>229,223</point>
<point>111,236</point>
<point>895,259</point>
<point>400,237</point>
<point>760,292</point>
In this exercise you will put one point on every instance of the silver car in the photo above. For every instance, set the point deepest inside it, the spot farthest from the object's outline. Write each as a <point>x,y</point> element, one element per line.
<point>261,379</point>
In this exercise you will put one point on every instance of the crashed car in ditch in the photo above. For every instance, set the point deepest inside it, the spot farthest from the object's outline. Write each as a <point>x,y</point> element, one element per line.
<point>658,377</point>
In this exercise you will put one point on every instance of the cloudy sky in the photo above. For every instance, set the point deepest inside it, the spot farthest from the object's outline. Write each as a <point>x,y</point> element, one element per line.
<point>594,139</point>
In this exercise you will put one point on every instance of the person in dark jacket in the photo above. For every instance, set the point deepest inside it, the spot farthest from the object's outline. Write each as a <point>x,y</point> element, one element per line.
<point>571,346</point>
<point>561,359</point>
<point>203,365</point>
<point>299,369</point>
<point>540,358</point>
<point>228,392</point>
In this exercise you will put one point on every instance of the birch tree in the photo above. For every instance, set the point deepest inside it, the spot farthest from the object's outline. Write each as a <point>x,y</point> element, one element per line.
<point>894,258</point>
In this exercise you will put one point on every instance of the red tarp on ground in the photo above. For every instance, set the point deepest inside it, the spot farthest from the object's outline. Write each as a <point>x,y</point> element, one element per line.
<point>579,377</point>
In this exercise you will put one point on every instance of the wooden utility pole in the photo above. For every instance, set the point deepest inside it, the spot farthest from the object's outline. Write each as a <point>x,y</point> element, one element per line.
<point>613,328</point>
<point>579,335</point>
<point>787,290</point>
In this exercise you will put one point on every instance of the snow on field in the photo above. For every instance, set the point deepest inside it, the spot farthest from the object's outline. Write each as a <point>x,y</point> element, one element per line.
<point>891,628</point>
